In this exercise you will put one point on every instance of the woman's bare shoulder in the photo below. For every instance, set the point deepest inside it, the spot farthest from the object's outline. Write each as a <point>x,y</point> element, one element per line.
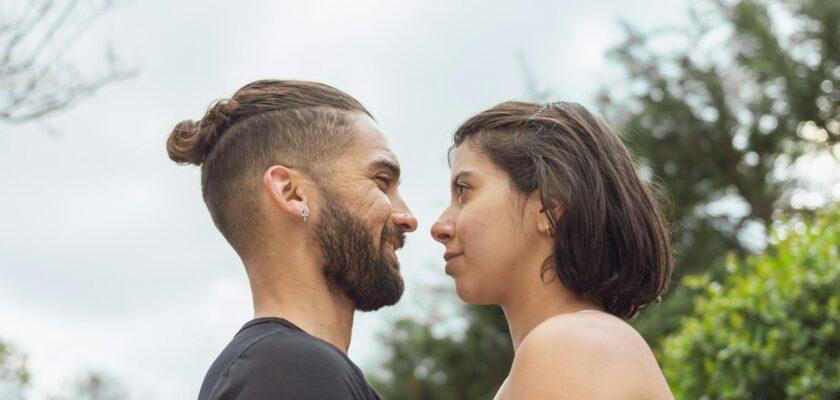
<point>600,331</point>
<point>585,355</point>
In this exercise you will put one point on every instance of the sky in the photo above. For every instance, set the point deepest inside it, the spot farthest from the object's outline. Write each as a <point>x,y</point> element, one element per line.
<point>108,258</point>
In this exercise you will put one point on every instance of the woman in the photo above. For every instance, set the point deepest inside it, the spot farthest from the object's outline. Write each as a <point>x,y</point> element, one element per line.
<point>550,220</point>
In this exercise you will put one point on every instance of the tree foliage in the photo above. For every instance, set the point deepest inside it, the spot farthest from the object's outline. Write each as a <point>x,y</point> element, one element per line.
<point>93,386</point>
<point>717,112</point>
<point>15,377</point>
<point>428,366</point>
<point>772,329</point>
<point>721,122</point>
<point>14,373</point>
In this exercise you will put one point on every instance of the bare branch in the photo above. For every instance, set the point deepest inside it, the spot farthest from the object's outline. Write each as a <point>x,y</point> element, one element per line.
<point>35,80</point>
<point>25,26</point>
<point>53,29</point>
<point>71,96</point>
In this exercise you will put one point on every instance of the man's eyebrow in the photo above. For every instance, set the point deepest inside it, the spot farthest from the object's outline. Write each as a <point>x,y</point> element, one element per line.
<point>386,163</point>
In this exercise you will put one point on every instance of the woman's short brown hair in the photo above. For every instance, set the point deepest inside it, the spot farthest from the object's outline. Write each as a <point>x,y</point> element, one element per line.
<point>611,241</point>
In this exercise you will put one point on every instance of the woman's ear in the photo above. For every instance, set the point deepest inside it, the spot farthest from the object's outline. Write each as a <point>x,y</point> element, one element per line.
<point>547,214</point>
<point>286,191</point>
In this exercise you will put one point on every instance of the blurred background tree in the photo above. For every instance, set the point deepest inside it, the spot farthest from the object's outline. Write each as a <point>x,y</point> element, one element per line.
<point>14,374</point>
<point>718,114</point>
<point>36,37</point>
<point>423,365</point>
<point>36,79</point>
<point>772,329</point>
<point>93,386</point>
<point>721,124</point>
<point>15,381</point>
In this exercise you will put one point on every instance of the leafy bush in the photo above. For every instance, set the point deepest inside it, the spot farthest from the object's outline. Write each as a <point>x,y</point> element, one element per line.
<point>772,329</point>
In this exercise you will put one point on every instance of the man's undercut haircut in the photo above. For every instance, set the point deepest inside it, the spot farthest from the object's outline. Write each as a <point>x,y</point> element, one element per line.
<point>298,124</point>
<point>610,238</point>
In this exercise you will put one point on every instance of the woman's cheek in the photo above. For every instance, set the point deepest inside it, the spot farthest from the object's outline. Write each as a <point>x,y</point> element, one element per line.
<point>472,233</point>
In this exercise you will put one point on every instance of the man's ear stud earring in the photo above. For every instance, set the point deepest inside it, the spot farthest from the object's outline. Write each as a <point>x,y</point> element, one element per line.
<point>304,214</point>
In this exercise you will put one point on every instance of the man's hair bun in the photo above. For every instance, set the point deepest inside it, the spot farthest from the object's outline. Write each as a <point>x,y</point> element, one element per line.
<point>190,141</point>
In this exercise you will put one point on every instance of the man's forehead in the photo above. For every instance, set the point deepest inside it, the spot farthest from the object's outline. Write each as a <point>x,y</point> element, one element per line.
<point>371,146</point>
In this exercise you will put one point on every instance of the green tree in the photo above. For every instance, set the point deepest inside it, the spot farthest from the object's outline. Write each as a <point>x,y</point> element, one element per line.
<point>15,380</point>
<point>93,386</point>
<point>716,122</point>
<point>772,329</point>
<point>423,366</point>
<point>14,373</point>
<point>720,123</point>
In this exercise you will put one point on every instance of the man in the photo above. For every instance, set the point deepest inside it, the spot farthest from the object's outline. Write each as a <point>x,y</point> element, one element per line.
<point>301,182</point>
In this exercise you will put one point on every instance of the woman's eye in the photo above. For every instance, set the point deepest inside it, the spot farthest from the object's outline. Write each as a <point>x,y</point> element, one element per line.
<point>460,189</point>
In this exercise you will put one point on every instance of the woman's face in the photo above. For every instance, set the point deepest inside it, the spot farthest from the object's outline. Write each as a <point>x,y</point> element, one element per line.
<point>492,233</point>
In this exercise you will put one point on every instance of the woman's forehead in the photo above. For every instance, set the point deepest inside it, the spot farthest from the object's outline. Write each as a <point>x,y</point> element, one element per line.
<point>468,157</point>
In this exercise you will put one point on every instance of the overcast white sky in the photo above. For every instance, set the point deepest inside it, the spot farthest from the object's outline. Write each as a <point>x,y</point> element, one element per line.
<point>108,258</point>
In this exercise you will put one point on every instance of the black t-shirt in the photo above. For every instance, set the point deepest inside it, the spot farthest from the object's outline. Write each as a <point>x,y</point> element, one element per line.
<point>271,358</point>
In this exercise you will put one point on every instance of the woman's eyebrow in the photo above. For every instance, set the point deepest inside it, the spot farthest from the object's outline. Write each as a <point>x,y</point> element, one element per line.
<point>460,175</point>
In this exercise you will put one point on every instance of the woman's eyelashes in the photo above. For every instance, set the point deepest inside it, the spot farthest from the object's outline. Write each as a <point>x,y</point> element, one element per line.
<point>460,190</point>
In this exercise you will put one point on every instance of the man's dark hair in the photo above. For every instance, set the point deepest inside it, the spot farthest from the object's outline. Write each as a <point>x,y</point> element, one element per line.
<point>297,124</point>
<point>610,239</point>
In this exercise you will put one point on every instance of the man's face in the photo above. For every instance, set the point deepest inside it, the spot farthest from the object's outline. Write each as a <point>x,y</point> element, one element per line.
<point>362,221</point>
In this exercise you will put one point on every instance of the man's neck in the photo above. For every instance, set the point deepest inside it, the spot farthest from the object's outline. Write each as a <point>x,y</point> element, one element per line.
<point>303,297</point>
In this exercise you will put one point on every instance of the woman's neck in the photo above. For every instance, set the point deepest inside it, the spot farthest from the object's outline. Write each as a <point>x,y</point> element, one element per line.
<point>537,301</point>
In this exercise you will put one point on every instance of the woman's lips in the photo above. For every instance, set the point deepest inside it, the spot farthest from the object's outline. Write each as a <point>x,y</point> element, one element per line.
<point>450,255</point>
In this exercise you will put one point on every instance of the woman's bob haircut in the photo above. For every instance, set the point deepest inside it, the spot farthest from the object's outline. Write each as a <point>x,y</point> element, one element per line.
<point>611,241</point>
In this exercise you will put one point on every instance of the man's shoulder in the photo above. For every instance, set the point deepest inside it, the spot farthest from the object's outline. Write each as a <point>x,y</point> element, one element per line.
<point>276,360</point>
<point>294,348</point>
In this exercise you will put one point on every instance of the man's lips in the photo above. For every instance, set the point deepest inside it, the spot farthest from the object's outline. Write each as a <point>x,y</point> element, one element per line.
<point>393,237</point>
<point>395,243</point>
<point>450,255</point>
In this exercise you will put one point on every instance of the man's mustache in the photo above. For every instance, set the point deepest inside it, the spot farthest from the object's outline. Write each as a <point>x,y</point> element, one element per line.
<point>391,233</point>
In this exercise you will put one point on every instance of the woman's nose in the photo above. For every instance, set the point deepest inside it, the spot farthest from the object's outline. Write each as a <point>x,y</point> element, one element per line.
<point>443,230</point>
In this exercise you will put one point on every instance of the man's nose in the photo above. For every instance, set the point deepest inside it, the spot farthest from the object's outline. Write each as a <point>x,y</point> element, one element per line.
<point>405,221</point>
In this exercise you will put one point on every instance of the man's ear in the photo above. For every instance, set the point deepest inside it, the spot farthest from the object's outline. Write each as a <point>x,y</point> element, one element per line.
<point>285,189</point>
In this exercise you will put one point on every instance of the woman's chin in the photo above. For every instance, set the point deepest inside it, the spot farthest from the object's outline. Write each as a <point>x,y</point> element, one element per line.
<point>467,293</point>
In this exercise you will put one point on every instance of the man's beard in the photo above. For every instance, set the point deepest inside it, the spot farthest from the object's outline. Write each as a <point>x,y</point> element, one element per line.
<point>369,277</point>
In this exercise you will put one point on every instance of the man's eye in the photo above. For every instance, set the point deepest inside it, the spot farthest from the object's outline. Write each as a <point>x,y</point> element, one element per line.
<point>384,181</point>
